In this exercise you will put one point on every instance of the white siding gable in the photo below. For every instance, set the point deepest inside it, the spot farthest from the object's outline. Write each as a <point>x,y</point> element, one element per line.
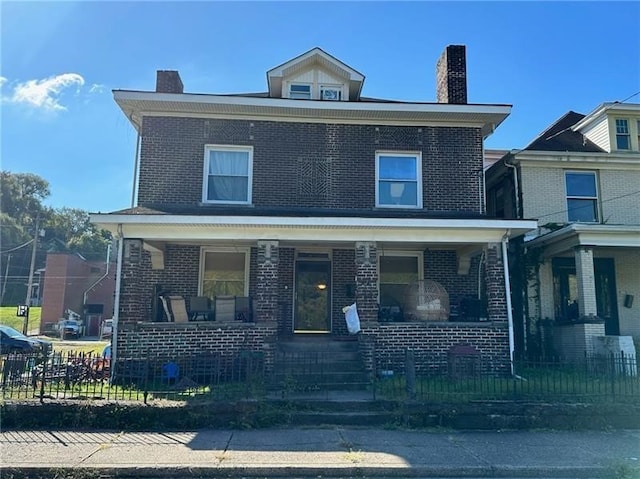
<point>598,133</point>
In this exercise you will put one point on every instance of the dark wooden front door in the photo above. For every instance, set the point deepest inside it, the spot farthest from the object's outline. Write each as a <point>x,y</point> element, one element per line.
<point>313,297</point>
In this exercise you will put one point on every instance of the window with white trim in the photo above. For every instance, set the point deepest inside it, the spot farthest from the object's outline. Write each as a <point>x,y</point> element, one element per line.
<point>300,91</point>
<point>225,272</point>
<point>228,174</point>
<point>582,196</point>
<point>396,271</point>
<point>623,140</point>
<point>398,180</point>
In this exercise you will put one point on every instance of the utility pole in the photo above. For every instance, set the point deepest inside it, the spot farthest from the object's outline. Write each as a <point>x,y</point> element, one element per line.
<point>27,301</point>
<point>6,277</point>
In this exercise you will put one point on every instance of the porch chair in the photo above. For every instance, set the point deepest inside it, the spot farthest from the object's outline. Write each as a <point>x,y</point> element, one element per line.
<point>201,306</point>
<point>179,309</point>
<point>165,306</point>
<point>225,308</point>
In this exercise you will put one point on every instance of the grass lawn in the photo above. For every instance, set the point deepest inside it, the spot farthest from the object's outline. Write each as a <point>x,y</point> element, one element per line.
<point>8,317</point>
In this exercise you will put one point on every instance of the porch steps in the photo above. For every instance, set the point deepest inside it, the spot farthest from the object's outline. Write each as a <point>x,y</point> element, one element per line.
<point>318,364</point>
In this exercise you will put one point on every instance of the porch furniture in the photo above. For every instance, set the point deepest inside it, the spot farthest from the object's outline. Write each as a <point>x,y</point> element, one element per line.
<point>178,309</point>
<point>427,300</point>
<point>244,309</point>
<point>225,308</point>
<point>200,306</point>
<point>165,306</point>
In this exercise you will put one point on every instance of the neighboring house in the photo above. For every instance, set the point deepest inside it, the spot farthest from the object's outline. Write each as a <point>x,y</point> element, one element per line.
<point>71,283</point>
<point>303,200</point>
<point>581,179</point>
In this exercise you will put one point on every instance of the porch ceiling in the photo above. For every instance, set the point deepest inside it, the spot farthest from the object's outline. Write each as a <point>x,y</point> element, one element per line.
<point>386,230</point>
<point>570,236</point>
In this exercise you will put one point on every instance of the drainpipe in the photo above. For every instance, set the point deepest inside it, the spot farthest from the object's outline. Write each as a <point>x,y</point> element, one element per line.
<point>116,302</point>
<point>507,287</point>
<point>135,172</point>
<point>516,187</point>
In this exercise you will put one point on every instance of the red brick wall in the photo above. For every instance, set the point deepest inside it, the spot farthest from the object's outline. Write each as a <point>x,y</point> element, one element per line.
<point>308,164</point>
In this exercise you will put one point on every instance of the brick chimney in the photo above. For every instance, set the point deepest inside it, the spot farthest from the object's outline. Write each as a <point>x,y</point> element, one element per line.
<point>168,81</point>
<point>451,75</point>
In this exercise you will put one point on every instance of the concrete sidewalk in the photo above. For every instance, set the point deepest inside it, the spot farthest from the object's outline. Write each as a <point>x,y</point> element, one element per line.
<point>321,452</point>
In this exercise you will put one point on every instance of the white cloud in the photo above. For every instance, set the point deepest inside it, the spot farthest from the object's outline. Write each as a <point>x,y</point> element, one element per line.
<point>45,93</point>
<point>3,80</point>
<point>96,88</point>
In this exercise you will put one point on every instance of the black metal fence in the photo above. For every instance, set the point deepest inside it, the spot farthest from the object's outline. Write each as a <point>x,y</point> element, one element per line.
<point>421,376</point>
<point>465,378</point>
<point>90,376</point>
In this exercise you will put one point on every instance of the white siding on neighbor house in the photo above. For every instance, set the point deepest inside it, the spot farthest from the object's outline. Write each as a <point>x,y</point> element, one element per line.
<point>304,77</point>
<point>599,134</point>
<point>545,290</point>
<point>543,193</point>
<point>620,196</point>
<point>627,266</point>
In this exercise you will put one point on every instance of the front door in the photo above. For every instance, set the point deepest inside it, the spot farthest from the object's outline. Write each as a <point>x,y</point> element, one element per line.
<point>313,297</point>
<point>566,292</point>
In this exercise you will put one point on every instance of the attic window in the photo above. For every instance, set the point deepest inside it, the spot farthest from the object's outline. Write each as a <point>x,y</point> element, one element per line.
<point>300,92</point>
<point>330,93</point>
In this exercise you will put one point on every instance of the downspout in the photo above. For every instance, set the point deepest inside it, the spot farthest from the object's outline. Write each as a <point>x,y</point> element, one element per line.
<point>516,187</point>
<point>106,273</point>
<point>135,172</point>
<point>116,302</point>
<point>507,287</point>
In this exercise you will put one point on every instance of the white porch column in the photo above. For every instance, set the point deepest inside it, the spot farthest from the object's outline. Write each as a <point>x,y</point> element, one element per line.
<point>586,281</point>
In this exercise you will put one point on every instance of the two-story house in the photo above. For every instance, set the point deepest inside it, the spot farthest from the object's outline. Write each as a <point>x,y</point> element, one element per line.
<point>303,200</point>
<point>581,179</point>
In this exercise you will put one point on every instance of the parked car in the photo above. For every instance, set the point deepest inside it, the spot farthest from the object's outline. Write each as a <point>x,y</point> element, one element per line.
<point>106,330</point>
<point>69,328</point>
<point>12,341</point>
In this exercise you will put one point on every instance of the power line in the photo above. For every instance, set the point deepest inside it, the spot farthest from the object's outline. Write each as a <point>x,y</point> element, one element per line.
<point>18,247</point>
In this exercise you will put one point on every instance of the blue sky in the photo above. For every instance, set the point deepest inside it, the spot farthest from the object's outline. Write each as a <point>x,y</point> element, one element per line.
<point>60,60</point>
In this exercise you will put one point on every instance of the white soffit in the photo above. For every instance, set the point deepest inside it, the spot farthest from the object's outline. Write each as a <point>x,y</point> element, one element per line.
<point>168,227</point>
<point>136,104</point>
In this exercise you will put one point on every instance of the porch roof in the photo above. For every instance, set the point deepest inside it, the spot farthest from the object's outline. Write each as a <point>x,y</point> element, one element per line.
<point>164,227</point>
<point>581,234</point>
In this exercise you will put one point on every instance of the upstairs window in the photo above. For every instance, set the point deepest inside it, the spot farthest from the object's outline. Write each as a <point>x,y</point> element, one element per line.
<point>399,180</point>
<point>228,173</point>
<point>582,196</point>
<point>299,91</point>
<point>623,141</point>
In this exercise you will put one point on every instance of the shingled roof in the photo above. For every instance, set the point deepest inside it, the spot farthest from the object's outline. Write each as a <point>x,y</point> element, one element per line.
<point>560,137</point>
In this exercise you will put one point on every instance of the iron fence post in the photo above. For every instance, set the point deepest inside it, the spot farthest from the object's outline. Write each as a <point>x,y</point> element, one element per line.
<point>410,372</point>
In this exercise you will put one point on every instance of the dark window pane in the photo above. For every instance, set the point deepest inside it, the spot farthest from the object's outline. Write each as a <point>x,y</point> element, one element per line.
<point>402,193</point>
<point>582,210</point>
<point>622,142</point>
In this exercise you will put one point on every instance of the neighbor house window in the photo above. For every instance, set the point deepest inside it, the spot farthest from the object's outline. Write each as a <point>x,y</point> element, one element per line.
<point>396,271</point>
<point>224,272</point>
<point>622,135</point>
<point>228,172</point>
<point>399,180</point>
<point>299,91</point>
<point>582,196</point>
<point>638,131</point>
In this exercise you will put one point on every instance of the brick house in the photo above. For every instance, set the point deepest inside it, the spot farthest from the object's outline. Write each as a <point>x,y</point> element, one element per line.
<point>303,200</point>
<point>580,178</point>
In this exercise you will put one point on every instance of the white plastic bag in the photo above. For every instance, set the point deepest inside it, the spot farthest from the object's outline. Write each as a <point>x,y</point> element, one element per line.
<point>352,319</point>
